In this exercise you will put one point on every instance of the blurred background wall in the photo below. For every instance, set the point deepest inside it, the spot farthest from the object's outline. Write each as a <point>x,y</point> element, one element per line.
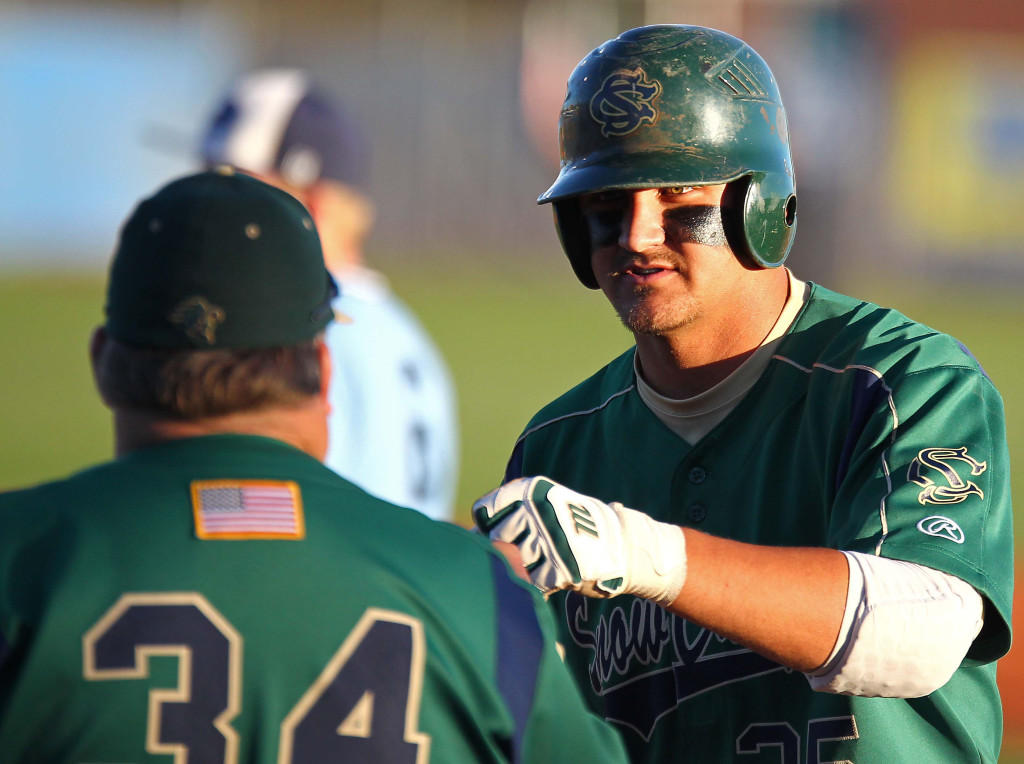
<point>907,117</point>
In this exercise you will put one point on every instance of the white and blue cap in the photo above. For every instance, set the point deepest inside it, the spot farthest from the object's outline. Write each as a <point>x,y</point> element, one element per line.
<point>274,120</point>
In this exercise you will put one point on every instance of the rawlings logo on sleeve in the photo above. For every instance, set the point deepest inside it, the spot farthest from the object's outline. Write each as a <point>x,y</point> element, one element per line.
<point>942,527</point>
<point>935,470</point>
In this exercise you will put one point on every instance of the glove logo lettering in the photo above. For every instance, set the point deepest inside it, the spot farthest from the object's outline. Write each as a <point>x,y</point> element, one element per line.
<point>933,469</point>
<point>646,661</point>
<point>583,521</point>
<point>942,527</point>
<point>624,102</point>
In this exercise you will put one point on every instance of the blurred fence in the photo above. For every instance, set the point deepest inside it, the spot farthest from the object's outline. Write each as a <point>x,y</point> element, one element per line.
<point>908,127</point>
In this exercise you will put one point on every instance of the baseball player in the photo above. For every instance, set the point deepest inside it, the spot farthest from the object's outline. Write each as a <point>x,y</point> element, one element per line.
<point>779,528</point>
<point>215,593</point>
<point>394,420</point>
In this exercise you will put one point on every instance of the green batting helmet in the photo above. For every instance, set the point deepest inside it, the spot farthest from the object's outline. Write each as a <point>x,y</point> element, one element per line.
<point>674,105</point>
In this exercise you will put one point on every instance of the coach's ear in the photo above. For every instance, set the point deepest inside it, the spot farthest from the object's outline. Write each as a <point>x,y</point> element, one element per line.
<point>96,344</point>
<point>323,355</point>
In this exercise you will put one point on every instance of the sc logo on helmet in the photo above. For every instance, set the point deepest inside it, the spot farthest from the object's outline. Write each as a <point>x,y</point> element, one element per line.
<point>624,102</point>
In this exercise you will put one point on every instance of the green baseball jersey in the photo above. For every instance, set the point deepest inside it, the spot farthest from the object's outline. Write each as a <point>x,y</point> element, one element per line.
<point>230,599</point>
<point>867,432</point>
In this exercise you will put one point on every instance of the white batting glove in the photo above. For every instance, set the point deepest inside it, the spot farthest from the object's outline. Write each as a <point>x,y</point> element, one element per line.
<point>571,541</point>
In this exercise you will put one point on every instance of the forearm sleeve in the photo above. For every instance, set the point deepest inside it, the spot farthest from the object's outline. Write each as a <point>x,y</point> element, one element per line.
<point>905,631</point>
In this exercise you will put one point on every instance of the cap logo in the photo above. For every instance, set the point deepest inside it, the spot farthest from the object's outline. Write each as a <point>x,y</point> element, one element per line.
<point>199,317</point>
<point>624,102</point>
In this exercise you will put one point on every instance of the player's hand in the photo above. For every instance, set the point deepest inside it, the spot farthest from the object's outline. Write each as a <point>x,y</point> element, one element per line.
<point>515,560</point>
<point>571,541</point>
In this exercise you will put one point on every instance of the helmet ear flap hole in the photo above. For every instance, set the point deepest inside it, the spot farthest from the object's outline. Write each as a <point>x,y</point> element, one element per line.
<point>791,210</point>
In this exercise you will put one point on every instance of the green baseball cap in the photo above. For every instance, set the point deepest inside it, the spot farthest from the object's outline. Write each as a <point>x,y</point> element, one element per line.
<point>218,260</point>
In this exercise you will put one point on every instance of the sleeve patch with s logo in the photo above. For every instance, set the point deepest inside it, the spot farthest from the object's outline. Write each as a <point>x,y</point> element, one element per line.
<point>934,469</point>
<point>247,509</point>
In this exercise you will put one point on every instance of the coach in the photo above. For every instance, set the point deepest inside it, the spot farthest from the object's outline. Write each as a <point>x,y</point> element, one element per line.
<point>215,593</point>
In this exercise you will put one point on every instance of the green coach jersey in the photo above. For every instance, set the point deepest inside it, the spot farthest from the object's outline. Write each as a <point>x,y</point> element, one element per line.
<point>867,432</point>
<point>230,599</point>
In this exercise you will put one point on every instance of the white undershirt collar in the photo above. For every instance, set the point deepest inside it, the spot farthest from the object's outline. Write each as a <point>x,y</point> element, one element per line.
<point>692,418</point>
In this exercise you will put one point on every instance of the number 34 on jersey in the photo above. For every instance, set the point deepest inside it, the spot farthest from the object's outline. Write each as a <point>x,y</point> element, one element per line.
<point>375,677</point>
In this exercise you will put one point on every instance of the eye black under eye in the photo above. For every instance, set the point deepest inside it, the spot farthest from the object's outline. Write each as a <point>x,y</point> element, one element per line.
<point>603,226</point>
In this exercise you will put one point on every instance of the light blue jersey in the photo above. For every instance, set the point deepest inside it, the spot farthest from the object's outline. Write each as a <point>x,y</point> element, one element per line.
<point>394,423</point>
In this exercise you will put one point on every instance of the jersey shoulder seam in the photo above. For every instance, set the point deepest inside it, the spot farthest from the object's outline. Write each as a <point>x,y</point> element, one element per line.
<point>571,414</point>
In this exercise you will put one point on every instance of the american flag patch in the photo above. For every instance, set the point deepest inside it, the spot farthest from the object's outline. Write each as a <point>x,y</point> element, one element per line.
<point>250,509</point>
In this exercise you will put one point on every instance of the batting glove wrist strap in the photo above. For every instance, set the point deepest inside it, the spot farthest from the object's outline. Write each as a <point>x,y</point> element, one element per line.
<point>657,556</point>
<point>571,541</point>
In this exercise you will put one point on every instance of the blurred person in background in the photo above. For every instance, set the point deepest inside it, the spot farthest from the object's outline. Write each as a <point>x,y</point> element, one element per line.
<point>812,559</point>
<point>394,418</point>
<point>215,593</point>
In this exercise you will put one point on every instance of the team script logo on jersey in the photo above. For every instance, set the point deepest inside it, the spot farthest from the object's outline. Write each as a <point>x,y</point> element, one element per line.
<point>624,102</point>
<point>646,661</point>
<point>935,470</point>
<point>199,317</point>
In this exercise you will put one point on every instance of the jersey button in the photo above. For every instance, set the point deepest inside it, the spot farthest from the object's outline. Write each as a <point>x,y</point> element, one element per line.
<point>697,512</point>
<point>698,475</point>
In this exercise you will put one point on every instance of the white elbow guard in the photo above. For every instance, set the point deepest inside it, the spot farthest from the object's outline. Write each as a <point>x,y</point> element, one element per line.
<point>906,630</point>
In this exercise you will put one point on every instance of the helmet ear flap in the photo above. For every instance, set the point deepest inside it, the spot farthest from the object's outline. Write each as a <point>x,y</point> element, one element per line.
<point>769,218</point>
<point>575,238</point>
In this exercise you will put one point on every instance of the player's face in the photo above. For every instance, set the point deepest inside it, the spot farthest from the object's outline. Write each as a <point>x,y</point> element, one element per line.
<point>660,255</point>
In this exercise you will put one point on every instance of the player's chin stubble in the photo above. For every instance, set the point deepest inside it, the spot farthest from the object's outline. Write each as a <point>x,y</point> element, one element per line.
<point>642,314</point>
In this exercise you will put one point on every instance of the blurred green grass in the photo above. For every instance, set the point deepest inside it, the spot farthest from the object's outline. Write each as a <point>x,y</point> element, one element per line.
<point>51,419</point>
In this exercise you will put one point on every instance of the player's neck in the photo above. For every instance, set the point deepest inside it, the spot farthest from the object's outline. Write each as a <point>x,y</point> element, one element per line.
<point>696,357</point>
<point>303,427</point>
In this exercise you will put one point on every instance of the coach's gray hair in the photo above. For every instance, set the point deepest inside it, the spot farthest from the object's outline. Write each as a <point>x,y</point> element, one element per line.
<point>197,384</point>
